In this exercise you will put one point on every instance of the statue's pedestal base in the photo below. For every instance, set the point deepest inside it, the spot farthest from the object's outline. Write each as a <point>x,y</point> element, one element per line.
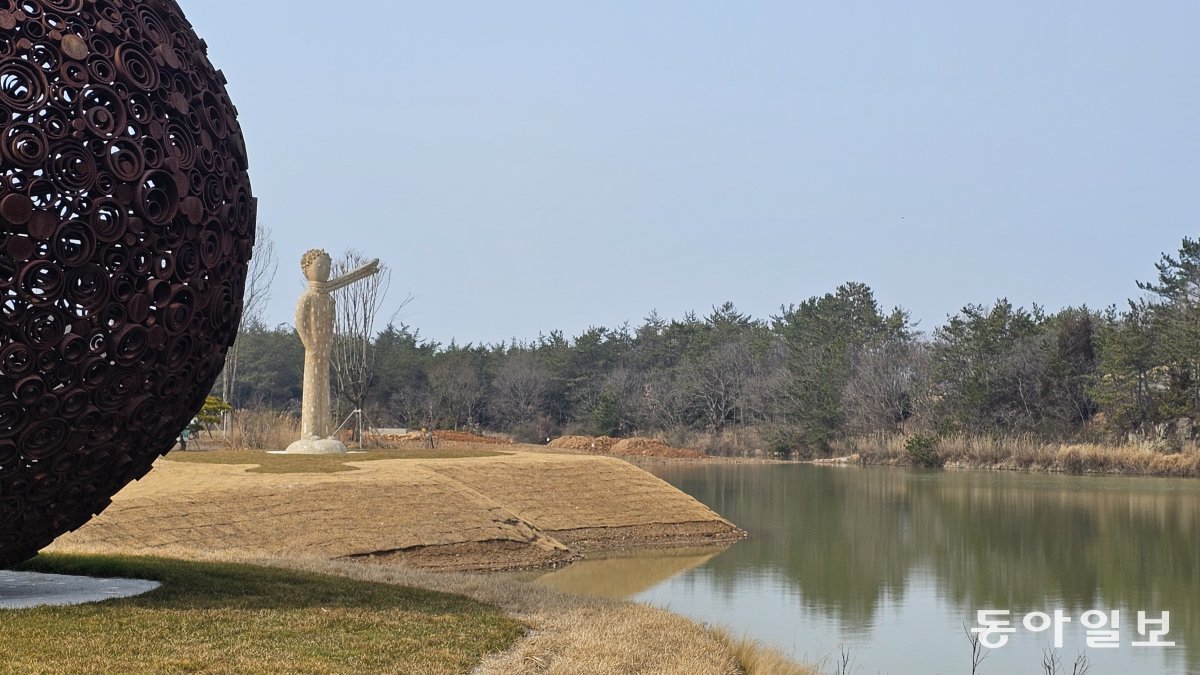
<point>317,446</point>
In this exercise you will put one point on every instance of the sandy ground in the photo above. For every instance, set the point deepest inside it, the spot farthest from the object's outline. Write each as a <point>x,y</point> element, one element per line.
<point>520,510</point>
<point>623,576</point>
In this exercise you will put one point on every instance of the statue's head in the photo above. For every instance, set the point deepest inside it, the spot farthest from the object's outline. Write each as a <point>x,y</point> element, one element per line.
<point>316,264</point>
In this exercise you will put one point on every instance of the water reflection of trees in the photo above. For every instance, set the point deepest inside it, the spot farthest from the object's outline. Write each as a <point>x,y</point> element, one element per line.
<point>848,539</point>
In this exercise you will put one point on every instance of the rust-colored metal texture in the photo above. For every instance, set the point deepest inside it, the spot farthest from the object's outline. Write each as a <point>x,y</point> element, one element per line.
<point>126,225</point>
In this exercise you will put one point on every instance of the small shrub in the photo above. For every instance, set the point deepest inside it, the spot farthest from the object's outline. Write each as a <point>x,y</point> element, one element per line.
<point>948,426</point>
<point>210,416</point>
<point>923,449</point>
<point>786,440</point>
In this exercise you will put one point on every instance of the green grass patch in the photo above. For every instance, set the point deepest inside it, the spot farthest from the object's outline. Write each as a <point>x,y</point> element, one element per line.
<point>268,463</point>
<point>209,618</point>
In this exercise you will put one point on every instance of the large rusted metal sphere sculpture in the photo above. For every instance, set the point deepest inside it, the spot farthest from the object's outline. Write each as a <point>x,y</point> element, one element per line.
<point>126,224</point>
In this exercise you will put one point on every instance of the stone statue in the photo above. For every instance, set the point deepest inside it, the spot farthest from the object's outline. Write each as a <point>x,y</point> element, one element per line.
<point>314,323</point>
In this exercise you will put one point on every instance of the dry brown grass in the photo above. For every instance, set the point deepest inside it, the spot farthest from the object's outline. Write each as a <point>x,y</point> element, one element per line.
<point>585,641</point>
<point>267,430</point>
<point>569,634</point>
<point>261,430</point>
<point>575,634</point>
<point>381,507</point>
<point>588,635</point>
<point>309,522</point>
<point>1027,453</point>
<point>512,510</point>
<point>228,618</point>
<point>758,659</point>
<point>571,492</point>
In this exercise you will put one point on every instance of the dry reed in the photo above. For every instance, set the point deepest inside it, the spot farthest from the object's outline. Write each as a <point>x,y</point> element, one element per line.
<point>759,659</point>
<point>1027,453</point>
<point>261,430</point>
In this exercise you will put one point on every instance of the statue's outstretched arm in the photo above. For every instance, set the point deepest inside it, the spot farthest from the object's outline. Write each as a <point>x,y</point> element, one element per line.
<point>363,272</point>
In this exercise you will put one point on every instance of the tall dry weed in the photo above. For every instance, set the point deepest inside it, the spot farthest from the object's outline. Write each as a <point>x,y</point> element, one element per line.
<point>261,430</point>
<point>1026,452</point>
<point>759,659</point>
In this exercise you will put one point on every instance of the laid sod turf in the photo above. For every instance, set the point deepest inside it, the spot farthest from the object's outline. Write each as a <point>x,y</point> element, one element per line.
<point>225,618</point>
<point>268,463</point>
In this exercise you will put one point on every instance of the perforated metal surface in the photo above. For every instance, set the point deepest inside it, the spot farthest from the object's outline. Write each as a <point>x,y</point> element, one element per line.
<point>126,224</point>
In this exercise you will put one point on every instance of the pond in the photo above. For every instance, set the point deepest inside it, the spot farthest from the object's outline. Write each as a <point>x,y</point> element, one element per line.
<point>893,566</point>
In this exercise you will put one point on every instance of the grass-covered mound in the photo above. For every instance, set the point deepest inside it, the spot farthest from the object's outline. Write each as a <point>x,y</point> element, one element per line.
<point>237,618</point>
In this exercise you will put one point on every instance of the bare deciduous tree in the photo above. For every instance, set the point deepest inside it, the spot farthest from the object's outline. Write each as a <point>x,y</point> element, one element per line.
<point>358,306</point>
<point>625,386</point>
<point>259,277</point>
<point>764,395</point>
<point>519,390</point>
<point>409,405</point>
<point>665,399</point>
<point>458,386</point>
<point>889,383</point>
<point>715,384</point>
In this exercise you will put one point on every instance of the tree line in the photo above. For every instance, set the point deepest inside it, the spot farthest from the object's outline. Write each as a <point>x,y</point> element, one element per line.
<point>830,367</point>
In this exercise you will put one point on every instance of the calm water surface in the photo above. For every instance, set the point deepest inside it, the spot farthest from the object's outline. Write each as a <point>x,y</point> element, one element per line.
<point>891,563</point>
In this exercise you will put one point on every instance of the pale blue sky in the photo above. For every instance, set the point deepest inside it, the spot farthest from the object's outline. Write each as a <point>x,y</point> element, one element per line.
<point>527,166</point>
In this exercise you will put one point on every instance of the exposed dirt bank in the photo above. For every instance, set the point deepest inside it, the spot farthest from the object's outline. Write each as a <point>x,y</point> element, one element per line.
<point>624,447</point>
